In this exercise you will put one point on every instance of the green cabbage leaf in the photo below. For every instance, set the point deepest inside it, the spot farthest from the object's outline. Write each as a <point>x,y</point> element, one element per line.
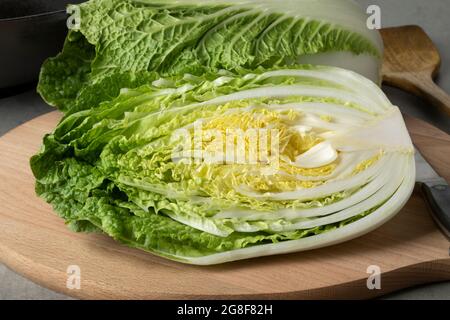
<point>128,43</point>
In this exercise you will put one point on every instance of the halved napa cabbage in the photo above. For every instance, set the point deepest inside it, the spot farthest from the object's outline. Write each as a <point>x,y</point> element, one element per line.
<point>317,156</point>
<point>128,43</point>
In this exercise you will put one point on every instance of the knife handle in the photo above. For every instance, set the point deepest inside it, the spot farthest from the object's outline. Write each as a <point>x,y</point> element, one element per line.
<point>437,195</point>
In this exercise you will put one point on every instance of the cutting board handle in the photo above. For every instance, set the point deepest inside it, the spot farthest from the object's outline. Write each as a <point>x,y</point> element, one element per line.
<point>422,85</point>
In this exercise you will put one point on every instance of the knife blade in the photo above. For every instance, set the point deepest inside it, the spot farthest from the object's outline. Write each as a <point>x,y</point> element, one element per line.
<point>436,191</point>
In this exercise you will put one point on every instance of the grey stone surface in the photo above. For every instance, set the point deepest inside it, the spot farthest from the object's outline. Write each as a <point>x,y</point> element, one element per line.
<point>432,15</point>
<point>14,286</point>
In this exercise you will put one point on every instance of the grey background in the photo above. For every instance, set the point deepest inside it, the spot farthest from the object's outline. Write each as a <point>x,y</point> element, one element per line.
<point>432,15</point>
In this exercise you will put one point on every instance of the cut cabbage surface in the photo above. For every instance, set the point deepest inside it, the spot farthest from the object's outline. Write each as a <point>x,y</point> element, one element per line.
<point>231,165</point>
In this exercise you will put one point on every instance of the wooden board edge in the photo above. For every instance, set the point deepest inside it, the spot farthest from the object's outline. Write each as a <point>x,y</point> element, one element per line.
<point>392,281</point>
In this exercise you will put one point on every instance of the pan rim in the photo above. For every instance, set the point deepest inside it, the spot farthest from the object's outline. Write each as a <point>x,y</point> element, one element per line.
<point>33,16</point>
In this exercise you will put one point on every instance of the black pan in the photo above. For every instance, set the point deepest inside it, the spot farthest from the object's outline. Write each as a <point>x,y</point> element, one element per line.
<point>30,32</point>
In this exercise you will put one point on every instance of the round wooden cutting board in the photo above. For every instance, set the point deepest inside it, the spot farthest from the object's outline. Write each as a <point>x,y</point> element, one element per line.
<point>409,249</point>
